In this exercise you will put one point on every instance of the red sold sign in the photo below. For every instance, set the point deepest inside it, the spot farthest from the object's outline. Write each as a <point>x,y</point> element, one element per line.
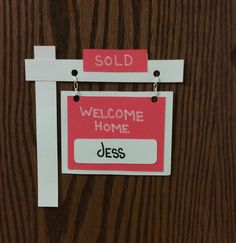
<point>106,134</point>
<point>100,60</point>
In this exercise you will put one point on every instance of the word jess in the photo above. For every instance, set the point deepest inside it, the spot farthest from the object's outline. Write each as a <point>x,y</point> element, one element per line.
<point>116,120</point>
<point>109,152</point>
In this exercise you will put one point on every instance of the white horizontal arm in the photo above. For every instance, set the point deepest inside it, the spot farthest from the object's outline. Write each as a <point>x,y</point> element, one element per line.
<point>171,71</point>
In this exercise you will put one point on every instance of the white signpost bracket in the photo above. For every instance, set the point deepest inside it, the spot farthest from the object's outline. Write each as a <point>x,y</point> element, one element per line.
<point>171,71</point>
<point>46,71</point>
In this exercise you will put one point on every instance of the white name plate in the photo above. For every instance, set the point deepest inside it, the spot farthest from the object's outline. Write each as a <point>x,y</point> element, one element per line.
<point>115,151</point>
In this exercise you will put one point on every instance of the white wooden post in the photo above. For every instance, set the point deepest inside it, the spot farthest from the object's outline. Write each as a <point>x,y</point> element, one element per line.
<point>46,125</point>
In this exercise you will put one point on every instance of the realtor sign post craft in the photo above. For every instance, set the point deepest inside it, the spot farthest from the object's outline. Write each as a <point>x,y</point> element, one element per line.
<point>104,132</point>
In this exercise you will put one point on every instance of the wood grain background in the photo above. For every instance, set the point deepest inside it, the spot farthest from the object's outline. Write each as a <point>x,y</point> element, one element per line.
<point>197,203</point>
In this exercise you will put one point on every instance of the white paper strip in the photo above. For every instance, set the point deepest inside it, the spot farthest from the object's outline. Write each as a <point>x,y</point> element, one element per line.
<point>46,124</point>
<point>138,151</point>
<point>171,71</point>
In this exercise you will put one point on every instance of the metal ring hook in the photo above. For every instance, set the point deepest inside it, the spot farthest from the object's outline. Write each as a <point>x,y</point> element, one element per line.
<point>76,88</point>
<point>155,89</point>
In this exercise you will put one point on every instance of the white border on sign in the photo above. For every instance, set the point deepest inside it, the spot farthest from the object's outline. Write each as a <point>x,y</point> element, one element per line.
<point>168,132</point>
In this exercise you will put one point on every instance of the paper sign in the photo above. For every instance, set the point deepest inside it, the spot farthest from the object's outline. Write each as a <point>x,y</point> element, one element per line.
<point>116,133</point>
<point>105,60</point>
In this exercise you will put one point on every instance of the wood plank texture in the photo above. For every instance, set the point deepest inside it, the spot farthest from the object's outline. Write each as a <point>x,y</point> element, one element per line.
<point>197,203</point>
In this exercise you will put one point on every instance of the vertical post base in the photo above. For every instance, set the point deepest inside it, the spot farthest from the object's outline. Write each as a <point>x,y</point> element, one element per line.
<point>46,125</point>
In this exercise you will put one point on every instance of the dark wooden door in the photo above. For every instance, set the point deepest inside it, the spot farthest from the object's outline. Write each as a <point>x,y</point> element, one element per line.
<point>197,203</point>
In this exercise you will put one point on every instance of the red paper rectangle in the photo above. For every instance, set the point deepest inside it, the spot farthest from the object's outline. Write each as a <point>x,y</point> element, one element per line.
<point>104,60</point>
<point>149,123</point>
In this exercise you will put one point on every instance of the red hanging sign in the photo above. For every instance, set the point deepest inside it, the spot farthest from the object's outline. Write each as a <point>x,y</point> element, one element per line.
<point>116,134</point>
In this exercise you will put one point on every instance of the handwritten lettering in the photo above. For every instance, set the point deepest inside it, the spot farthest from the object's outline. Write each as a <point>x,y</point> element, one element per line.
<point>120,118</point>
<point>114,60</point>
<point>110,127</point>
<point>136,116</point>
<point>110,152</point>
